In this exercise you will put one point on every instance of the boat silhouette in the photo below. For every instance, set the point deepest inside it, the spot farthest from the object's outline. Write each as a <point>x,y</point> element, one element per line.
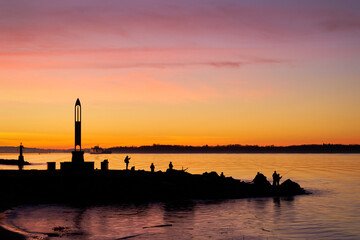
<point>99,150</point>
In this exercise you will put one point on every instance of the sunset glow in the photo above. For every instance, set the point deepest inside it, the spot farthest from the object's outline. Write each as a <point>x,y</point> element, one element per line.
<point>190,72</point>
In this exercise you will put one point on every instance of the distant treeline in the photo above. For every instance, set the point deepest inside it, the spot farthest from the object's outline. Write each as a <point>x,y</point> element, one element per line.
<point>156,148</point>
<point>324,148</point>
<point>32,150</point>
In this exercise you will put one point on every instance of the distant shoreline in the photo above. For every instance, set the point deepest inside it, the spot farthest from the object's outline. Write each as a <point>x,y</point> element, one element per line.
<point>236,149</point>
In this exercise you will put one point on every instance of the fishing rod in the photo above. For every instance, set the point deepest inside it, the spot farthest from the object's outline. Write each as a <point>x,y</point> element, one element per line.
<point>289,171</point>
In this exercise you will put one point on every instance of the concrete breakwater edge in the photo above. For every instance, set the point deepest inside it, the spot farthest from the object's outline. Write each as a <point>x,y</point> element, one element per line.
<point>113,186</point>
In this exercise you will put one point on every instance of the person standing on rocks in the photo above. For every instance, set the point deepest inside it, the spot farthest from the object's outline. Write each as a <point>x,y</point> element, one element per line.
<point>127,160</point>
<point>276,179</point>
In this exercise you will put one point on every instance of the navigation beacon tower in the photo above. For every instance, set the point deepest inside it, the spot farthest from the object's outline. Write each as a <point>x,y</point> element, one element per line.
<point>77,124</point>
<point>77,155</point>
<point>77,162</point>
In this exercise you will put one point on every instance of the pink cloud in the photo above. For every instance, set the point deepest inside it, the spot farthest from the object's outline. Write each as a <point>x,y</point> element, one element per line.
<point>133,58</point>
<point>348,23</point>
<point>158,34</point>
<point>80,24</point>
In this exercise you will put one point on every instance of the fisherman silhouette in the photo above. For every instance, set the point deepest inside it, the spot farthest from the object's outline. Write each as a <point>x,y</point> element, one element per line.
<point>276,179</point>
<point>170,166</point>
<point>126,160</point>
<point>274,176</point>
<point>152,167</point>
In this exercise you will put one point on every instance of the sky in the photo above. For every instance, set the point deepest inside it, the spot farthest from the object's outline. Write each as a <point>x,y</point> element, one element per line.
<point>179,72</point>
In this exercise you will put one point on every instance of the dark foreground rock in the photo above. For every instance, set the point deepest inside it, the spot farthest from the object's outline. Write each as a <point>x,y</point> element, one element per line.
<point>39,186</point>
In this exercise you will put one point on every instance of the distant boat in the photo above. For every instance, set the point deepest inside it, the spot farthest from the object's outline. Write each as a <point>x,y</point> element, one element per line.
<point>99,150</point>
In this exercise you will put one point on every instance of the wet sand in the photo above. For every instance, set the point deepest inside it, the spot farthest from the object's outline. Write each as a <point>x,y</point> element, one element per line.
<point>8,235</point>
<point>5,233</point>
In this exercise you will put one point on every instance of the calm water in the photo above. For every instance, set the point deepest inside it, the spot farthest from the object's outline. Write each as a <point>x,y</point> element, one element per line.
<point>331,212</point>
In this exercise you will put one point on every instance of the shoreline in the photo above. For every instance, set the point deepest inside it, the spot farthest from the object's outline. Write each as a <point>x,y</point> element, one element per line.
<point>9,235</point>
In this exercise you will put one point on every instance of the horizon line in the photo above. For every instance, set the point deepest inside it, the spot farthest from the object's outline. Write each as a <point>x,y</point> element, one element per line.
<point>198,146</point>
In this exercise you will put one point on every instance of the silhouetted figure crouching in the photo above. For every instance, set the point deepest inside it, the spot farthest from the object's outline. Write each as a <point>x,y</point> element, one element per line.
<point>261,181</point>
<point>127,160</point>
<point>276,179</point>
<point>152,167</point>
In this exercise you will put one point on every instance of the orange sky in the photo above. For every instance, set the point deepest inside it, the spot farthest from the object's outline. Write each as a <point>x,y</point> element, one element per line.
<point>182,73</point>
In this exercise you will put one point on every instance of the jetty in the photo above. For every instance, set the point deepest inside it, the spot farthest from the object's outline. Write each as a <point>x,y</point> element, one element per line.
<point>78,182</point>
<point>17,162</point>
<point>116,186</point>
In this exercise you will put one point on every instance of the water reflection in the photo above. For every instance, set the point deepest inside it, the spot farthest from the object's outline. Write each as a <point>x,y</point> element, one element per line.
<point>331,212</point>
<point>186,219</point>
<point>276,201</point>
<point>257,218</point>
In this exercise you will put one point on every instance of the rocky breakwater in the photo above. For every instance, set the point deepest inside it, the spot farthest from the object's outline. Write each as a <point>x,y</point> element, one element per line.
<point>113,186</point>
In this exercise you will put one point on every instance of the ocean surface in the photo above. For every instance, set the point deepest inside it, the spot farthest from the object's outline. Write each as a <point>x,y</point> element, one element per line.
<point>332,211</point>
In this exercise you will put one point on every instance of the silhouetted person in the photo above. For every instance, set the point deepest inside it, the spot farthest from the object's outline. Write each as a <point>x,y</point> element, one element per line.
<point>259,178</point>
<point>274,176</point>
<point>21,157</point>
<point>127,160</point>
<point>222,175</point>
<point>133,168</point>
<point>170,166</point>
<point>152,167</point>
<point>276,179</point>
